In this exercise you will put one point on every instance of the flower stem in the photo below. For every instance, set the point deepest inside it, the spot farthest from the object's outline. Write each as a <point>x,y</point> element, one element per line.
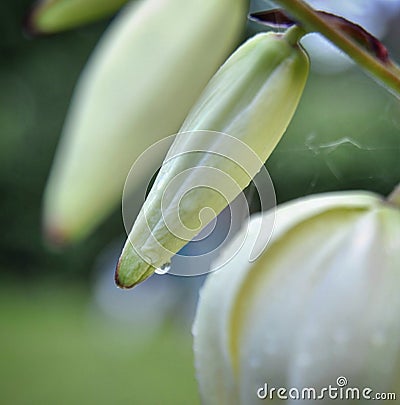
<point>387,73</point>
<point>294,34</point>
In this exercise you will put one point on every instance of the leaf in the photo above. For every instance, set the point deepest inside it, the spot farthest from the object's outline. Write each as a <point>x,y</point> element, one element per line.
<point>278,18</point>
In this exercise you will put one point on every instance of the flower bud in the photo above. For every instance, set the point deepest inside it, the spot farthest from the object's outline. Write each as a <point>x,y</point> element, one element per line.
<point>138,87</point>
<point>223,143</point>
<point>321,302</point>
<point>49,16</point>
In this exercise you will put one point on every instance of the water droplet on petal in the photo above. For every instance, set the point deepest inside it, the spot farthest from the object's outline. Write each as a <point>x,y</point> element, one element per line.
<point>164,269</point>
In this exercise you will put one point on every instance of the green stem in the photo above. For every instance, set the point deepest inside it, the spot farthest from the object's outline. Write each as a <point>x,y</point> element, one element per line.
<point>394,197</point>
<point>294,34</point>
<point>387,74</point>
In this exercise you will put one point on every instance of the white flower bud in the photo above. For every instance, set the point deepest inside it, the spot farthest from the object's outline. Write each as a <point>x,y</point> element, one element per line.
<point>146,73</point>
<point>223,143</point>
<point>321,302</point>
<point>49,16</point>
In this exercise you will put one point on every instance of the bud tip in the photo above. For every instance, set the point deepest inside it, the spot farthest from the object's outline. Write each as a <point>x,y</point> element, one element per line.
<point>119,281</point>
<point>55,237</point>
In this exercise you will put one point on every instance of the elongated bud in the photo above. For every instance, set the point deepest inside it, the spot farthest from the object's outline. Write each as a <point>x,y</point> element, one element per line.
<point>50,16</point>
<point>138,87</point>
<point>224,142</point>
<point>320,303</point>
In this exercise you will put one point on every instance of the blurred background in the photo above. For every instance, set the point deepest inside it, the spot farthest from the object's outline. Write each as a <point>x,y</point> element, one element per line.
<point>67,335</point>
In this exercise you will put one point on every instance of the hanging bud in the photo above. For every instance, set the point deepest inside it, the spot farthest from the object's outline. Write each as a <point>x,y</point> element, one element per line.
<point>50,16</point>
<point>138,87</point>
<point>318,308</point>
<point>223,143</point>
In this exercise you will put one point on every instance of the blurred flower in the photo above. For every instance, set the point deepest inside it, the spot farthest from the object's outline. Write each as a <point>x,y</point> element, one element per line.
<point>137,88</point>
<point>223,143</point>
<point>49,16</point>
<point>321,302</point>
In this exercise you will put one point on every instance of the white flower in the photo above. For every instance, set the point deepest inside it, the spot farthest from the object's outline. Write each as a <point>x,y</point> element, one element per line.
<point>322,301</point>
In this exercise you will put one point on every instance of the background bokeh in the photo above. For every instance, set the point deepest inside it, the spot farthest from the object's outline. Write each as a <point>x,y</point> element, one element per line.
<point>67,336</point>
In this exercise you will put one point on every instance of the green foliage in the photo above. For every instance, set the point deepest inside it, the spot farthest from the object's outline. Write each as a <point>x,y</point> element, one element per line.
<point>54,350</point>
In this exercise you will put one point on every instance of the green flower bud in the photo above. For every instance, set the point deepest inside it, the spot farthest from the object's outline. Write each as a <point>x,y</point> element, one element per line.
<point>252,98</point>
<point>138,87</point>
<point>50,16</point>
<point>321,302</point>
